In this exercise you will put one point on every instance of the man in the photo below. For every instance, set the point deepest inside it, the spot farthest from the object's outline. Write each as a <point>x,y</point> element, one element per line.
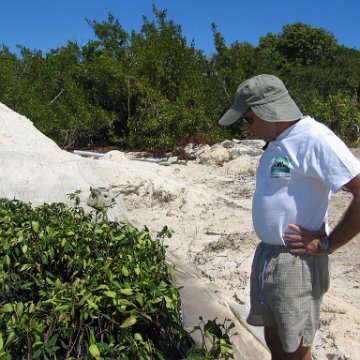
<point>303,163</point>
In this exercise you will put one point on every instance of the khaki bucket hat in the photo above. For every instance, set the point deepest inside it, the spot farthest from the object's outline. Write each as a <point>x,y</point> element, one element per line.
<point>267,97</point>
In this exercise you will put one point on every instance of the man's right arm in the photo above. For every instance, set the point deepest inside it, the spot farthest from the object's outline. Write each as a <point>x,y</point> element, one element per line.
<point>306,241</point>
<point>349,225</point>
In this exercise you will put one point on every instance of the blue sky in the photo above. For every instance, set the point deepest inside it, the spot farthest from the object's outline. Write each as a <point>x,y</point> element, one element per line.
<point>49,24</point>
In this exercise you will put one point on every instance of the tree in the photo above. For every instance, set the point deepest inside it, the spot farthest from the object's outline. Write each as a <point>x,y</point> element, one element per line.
<point>152,90</point>
<point>168,85</point>
<point>301,42</point>
<point>341,112</point>
<point>9,65</point>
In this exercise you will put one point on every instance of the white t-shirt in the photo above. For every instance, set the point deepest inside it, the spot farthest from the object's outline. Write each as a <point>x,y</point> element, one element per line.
<point>296,175</point>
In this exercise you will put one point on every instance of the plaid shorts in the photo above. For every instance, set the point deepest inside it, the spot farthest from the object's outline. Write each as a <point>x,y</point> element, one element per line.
<point>286,292</point>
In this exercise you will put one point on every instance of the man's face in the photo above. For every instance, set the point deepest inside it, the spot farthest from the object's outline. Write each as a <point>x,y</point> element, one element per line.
<point>263,129</point>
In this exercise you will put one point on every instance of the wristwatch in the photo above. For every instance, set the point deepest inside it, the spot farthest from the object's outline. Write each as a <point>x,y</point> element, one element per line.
<point>324,243</point>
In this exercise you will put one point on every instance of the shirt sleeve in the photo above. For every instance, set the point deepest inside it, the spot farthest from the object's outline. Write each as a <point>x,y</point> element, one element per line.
<point>332,162</point>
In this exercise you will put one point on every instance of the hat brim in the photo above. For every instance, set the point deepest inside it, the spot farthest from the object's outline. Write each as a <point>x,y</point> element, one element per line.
<point>230,117</point>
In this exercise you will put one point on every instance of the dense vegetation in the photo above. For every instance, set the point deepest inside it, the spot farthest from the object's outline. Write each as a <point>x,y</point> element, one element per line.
<point>151,90</point>
<point>76,286</point>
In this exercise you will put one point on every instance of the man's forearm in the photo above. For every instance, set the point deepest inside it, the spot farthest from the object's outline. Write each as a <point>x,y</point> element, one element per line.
<point>348,226</point>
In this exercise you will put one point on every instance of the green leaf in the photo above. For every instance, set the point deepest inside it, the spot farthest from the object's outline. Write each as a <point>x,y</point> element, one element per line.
<point>35,225</point>
<point>7,308</point>
<point>19,309</point>
<point>62,307</point>
<point>140,298</point>
<point>137,270</point>
<point>127,291</point>
<point>101,287</point>
<point>94,351</point>
<point>111,294</point>
<point>58,283</point>
<point>10,338</point>
<point>1,341</point>
<point>25,267</point>
<point>52,341</point>
<point>223,349</point>
<point>130,321</point>
<point>24,249</point>
<point>32,308</point>
<point>138,337</point>
<point>44,259</point>
<point>92,304</point>
<point>7,260</point>
<point>5,244</point>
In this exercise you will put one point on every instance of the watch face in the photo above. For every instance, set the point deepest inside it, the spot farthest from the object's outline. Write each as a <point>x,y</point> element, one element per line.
<point>324,244</point>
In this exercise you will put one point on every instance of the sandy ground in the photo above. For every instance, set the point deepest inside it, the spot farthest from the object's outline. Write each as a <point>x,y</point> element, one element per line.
<point>213,233</point>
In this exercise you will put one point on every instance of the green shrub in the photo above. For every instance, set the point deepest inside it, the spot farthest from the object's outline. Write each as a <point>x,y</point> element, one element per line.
<point>75,288</point>
<point>341,112</point>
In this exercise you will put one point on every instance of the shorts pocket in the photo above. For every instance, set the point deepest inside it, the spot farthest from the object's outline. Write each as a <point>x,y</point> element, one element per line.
<point>320,276</point>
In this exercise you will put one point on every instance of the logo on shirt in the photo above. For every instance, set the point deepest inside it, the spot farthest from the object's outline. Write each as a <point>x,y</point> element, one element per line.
<point>280,167</point>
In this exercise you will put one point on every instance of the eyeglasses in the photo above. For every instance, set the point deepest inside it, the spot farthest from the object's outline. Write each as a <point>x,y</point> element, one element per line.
<point>248,119</point>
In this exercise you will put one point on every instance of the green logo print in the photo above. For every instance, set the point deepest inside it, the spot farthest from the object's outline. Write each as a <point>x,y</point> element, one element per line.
<point>280,167</point>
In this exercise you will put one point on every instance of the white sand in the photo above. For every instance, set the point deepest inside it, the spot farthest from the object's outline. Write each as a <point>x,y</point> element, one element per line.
<point>207,206</point>
<point>216,237</point>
